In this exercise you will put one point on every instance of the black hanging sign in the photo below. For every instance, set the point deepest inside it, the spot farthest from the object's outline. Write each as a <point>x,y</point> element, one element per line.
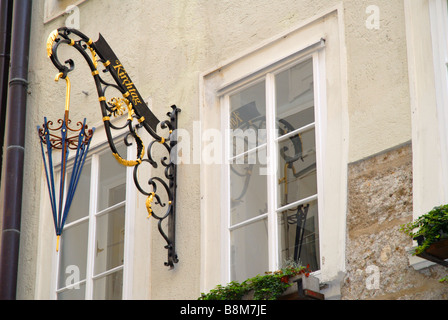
<point>120,75</point>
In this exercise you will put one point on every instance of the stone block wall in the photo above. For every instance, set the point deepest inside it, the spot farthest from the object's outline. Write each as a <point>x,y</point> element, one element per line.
<point>377,258</point>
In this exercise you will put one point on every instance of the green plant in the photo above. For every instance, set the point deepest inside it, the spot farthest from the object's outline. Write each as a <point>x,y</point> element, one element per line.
<point>432,226</point>
<point>266,287</point>
<point>233,291</point>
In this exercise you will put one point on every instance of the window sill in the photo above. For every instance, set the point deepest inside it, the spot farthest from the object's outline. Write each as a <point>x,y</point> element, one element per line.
<point>302,288</point>
<point>419,263</point>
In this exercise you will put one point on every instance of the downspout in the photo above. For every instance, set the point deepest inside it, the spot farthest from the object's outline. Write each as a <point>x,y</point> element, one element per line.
<point>15,149</point>
<point>5,46</point>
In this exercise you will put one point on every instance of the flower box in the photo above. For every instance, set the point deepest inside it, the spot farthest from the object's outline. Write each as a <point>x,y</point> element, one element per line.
<point>305,288</point>
<point>437,252</point>
<point>439,249</point>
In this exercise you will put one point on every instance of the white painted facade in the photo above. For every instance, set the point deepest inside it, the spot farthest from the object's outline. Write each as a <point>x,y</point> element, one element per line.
<point>377,84</point>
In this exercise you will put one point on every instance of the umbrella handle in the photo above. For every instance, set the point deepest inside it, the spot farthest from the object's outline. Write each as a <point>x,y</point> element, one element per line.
<point>58,238</point>
<point>67,93</point>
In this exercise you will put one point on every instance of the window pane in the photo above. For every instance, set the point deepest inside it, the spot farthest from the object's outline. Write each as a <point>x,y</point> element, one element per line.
<point>109,287</point>
<point>80,203</point>
<point>248,187</point>
<point>295,97</point>
<point>111,187</point>
<point>76,293</point>
<point>297,168</point>
<point>248,112</point>
<point>249,251</point>
<point>299,235</point>
<point>73,254</point>
<point>109,247</point>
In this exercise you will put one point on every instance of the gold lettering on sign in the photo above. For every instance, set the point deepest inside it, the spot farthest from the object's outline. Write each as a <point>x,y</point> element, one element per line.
<point>123,75</point>
<point>235,120</point>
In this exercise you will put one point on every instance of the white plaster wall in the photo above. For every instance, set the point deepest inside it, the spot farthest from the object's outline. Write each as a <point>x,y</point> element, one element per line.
<point>378,98</point>
<point>165,45</point>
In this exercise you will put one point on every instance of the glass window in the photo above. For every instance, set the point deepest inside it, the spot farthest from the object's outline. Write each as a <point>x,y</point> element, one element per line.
<point>249,256</point>
<point>291,198</point>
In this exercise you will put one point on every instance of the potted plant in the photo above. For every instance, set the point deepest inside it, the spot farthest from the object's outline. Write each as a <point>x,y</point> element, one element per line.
<point>431,233</point>
<point>269,286</point>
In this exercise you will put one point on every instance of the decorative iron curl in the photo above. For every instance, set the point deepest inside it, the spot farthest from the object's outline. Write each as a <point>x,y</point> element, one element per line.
<point>98,52</point>
<point>86,47</point>
<point>168,185</point>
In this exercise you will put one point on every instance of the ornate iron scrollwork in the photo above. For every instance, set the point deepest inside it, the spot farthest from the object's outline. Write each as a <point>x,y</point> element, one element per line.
<point>132,105</point>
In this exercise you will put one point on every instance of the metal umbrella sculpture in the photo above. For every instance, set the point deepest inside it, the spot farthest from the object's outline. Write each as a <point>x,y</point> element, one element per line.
<point>124,109</point>
<point>69,139</point>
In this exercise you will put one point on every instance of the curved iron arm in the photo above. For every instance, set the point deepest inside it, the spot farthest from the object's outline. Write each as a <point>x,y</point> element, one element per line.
<point>138,116</point>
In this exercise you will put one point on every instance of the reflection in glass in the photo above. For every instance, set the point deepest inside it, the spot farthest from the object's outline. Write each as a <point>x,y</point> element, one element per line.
<point>80,207</point>
<point>112,174</point>
<point>110,240</point>
<point>248,186</point>
<point>294,152</point>
<point>109,287</point>
<point>247,114</point>
<point>249,254</point>
<point>297,168</point>
<point>299,235</point>
<point>295,97</point>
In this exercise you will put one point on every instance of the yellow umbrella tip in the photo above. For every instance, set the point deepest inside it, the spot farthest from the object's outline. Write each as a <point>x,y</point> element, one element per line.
<point>57,243</point>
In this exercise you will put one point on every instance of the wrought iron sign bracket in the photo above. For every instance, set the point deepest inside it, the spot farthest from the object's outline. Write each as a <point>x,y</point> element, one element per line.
<point>129,103</point>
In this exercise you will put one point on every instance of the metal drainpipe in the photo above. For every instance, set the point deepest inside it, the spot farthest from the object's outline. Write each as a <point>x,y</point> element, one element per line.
<point>15,149</point>
<point>5,46</point>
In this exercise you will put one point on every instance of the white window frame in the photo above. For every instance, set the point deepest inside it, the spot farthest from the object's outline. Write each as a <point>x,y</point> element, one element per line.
<point>427,53</point>
<point>128,203</point>
<point>438,13</point>
<point>272,213</point>
<point>329,68</point>
<point>427,50</point>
